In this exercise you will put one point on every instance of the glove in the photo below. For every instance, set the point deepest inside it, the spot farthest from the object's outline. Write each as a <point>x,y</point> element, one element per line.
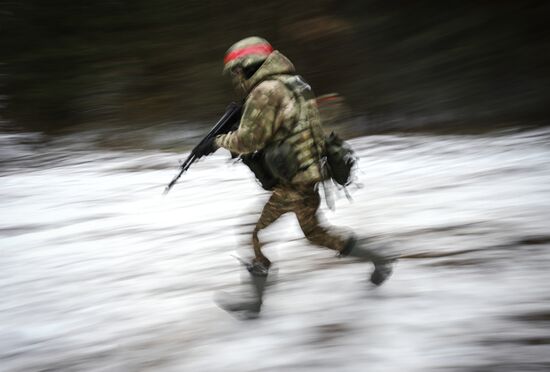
<point>207,147</point>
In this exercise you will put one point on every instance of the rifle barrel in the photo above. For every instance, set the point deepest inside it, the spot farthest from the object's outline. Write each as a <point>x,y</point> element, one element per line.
<point>184,167</point>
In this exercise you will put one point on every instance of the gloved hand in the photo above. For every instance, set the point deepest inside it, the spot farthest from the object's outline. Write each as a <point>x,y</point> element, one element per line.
<point>207,147</point>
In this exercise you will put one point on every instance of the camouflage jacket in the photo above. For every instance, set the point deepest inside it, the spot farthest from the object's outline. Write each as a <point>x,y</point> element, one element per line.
<point>273,112</point>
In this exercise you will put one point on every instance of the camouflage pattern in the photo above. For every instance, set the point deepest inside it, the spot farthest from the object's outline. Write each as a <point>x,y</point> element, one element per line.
<point>280,106</point>
<point>306,136</point>
<point>273,112</point>
<point>304,201</point>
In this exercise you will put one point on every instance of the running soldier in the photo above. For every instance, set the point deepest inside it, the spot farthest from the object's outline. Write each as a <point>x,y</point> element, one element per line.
<point>281,119</point>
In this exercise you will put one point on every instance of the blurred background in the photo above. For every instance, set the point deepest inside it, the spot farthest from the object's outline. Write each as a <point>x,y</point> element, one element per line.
<point>444,102</point>
<point>407,64</point>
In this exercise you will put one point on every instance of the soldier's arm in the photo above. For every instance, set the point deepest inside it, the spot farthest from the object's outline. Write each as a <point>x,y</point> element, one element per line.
<point>257,124</point>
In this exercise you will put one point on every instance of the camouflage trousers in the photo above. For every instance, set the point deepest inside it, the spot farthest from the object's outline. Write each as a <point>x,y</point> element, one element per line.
<point>304,201</point>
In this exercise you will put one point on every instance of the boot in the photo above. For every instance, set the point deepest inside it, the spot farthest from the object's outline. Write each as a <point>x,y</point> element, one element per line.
<point>382,265</point>
<point>249,304</point>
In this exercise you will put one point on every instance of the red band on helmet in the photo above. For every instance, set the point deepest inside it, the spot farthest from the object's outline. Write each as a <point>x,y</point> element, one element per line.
<point>261,49</point>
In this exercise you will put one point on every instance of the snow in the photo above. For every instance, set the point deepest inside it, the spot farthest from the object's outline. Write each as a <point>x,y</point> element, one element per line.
<point>100,272</point>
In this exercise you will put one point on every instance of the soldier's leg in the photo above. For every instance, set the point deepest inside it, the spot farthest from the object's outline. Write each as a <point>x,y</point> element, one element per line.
<point>308,217</point>
<point>250,302</point>
<point>275,207</point>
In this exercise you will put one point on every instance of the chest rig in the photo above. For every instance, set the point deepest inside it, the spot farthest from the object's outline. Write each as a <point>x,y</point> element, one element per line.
<point>295,152</point>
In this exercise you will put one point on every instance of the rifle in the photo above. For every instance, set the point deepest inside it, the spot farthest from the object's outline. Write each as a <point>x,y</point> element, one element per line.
<point>225,124</point>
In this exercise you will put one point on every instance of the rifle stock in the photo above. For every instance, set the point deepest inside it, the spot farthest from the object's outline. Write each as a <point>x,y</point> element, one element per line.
<point>231,117</point>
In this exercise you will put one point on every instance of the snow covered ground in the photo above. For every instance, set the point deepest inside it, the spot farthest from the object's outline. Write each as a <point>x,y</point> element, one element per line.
<point>100,272</point>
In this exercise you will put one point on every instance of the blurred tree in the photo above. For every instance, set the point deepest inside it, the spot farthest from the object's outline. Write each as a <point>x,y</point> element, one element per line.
<point>424,62</point>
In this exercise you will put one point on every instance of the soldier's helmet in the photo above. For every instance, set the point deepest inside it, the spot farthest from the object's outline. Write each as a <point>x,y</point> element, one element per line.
<point>246,52</point>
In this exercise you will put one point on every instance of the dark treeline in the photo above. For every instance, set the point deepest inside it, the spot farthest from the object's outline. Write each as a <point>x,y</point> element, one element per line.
<point>432,62</point>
